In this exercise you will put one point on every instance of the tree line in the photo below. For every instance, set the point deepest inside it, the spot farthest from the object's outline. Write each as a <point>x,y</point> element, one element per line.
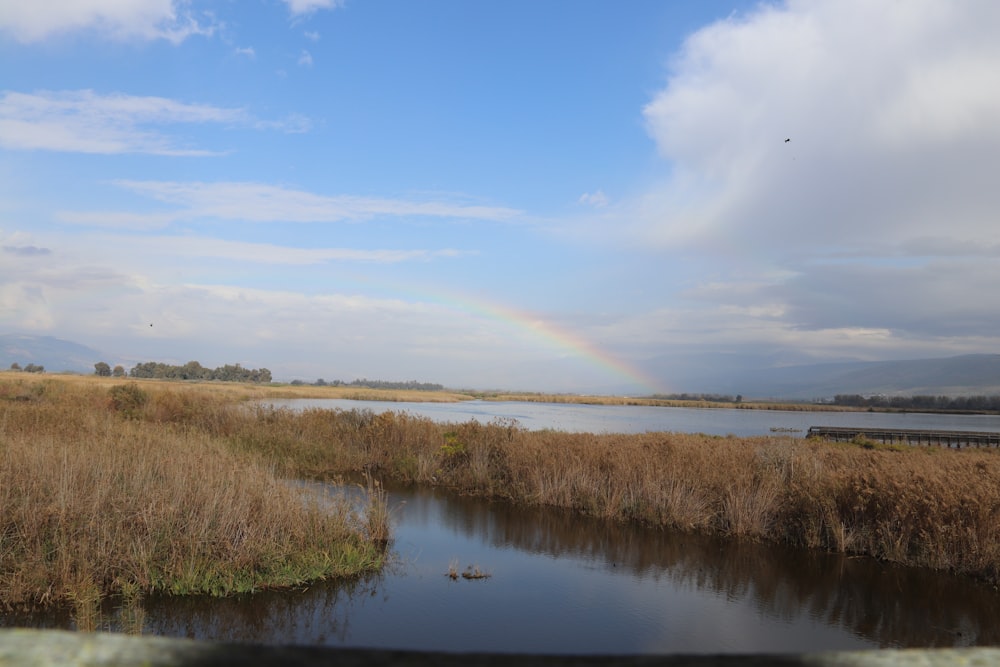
<point>412,385</point>
<point>927,403</point>
<point>30,368</point>
<point>711,398</point>
<point>192,370</point>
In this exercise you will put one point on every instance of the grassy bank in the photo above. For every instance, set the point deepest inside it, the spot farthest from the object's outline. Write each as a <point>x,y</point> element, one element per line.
<point>100,467</point>
<point>109,490</point>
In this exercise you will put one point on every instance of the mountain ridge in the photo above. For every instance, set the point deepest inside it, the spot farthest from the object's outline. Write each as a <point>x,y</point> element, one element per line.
<point>54,354</point>
<point>962,375</point>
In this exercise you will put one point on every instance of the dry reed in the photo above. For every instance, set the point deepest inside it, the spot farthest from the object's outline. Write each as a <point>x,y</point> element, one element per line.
<point>926,507</point>
<point>123,492</point>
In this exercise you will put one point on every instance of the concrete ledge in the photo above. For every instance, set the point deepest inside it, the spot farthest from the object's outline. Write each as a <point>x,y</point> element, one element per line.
<point>58,647</point>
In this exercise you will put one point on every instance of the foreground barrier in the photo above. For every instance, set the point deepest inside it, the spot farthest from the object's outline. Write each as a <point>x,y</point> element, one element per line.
<point>58,647</point>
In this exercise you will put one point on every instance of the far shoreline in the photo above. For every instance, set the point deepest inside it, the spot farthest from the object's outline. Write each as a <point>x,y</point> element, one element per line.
<point>249,391</point>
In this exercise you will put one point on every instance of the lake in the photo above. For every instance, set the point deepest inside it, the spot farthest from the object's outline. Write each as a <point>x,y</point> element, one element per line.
<point>639,419</point>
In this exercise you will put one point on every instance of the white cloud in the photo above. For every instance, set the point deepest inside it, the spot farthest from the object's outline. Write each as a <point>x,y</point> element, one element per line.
<point>311,35</point>
<point>875,225</point>
<point>596,199</point>
<point>192,247</point>
<point>259,202</point>
<point>88,122</point>
<point>118,19</point>
<point>870,234</point>
<point>246,51</point>
<point>890,109</point>
<point>297,7</point>
<point>305,59</point>
<point>291,124</point>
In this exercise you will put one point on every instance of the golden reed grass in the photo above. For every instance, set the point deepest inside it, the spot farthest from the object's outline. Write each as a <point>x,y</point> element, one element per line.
<point>919,506</point>
<point>119,490</point>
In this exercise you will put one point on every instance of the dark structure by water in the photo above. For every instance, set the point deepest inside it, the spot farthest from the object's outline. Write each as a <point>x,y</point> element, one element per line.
<point>951,439</point>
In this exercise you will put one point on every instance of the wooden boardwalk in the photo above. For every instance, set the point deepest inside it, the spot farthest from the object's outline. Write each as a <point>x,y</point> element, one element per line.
<point>950,439</point>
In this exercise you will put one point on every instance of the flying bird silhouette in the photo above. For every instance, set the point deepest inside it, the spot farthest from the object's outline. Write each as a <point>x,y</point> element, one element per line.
<point>787,140</point>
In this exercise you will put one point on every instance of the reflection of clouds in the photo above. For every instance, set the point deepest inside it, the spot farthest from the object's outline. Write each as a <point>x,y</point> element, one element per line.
<point>566,581</point>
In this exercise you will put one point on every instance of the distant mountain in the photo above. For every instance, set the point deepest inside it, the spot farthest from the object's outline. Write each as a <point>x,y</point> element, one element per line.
<point>751,377</point>
<point>55,354</point>
<point>973,374</point>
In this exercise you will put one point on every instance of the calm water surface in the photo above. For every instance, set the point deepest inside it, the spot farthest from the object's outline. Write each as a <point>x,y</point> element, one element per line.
<point>639,419</point>
<point>564,584</point>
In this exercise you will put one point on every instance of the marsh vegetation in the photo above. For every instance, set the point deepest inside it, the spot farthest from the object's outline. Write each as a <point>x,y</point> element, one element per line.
<point>126,490</point>
<point>114,487</point>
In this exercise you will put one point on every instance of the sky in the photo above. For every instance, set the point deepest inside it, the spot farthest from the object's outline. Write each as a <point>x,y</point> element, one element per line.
<point>571,195</point>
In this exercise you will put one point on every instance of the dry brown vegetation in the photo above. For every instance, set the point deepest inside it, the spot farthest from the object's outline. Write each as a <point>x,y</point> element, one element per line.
<point>85,462</point>
<point>919,506</point>
<point>112,489</point>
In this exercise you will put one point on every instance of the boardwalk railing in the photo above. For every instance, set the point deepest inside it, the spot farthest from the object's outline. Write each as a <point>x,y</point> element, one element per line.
<point>951,439</point>
<point>54,647</point>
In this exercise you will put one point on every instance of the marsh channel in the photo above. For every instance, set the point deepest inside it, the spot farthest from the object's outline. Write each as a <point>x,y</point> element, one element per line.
<point>565,584</point>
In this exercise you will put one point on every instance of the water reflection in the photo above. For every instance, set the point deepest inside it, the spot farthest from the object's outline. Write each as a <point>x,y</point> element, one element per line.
<point>562,584</point>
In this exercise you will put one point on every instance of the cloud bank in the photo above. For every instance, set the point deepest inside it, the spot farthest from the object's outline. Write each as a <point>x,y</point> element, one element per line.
<point>84,121</point>
<point>170,20</point>
<point>831,164</point>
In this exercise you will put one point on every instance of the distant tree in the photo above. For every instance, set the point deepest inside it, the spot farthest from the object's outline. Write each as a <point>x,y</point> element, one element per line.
<point>102,369</point>
<point>33,368</point>
<point>15,366</point>
<point>192,370</point>
<point>195,371</point>
<point>384,384</point>
<point>118,371</point>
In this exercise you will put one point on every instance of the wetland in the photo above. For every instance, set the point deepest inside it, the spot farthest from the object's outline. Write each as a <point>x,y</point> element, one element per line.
<point>653,542</point>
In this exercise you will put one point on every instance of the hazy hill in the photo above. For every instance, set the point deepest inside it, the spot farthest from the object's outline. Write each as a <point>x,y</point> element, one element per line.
<point>973,374</point>
<point>54,354</point>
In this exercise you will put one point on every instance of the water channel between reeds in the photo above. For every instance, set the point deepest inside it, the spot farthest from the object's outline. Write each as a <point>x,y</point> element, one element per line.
<point>564,584</point>
<point>560,583</point>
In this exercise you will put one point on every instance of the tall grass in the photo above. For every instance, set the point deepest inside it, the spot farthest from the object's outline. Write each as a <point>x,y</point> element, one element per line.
<point>919,506</point>
<point>927,507</point>
<point>104,495</point>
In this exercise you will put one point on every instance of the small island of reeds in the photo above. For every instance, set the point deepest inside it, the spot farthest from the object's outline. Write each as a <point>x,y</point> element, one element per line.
<point>121,489</point>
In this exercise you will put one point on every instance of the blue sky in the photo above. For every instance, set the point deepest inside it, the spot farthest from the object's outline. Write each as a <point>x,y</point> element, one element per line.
<point>567,196</point>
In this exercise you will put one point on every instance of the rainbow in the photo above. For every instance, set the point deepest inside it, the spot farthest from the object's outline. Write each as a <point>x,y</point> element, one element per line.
<point>567,341</point>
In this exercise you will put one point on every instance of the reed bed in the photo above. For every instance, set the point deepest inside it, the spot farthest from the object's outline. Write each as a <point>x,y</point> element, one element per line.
<point>918,506</point>
<point>114,490</point>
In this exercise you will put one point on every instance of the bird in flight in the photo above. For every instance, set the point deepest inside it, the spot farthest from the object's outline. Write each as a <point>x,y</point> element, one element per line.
<point>787,140</point>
